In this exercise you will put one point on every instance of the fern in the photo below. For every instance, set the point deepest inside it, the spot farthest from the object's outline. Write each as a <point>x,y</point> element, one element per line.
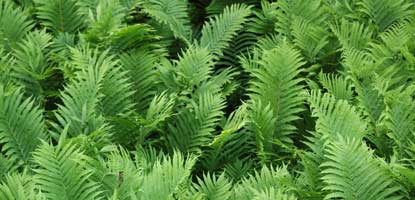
<point>14,24</point>
<point>356,177</point>
<point>217,33</point>
<point>172,13</point>
<point>194,128</point>
<point>336,117</point>
<point>99,90</point>
<point>61,173</point>
<point>385,14</point>
<point>60,15</point>
<point>22,126</point>
<point>213,188</point>
<point>276,83</point>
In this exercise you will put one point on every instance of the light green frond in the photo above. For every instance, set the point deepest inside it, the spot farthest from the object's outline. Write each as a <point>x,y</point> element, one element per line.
<point>352,172</point>
<point>399,118</point>
<point>268,177</point>
<point>212,187</point>
<point>194,67</point>
<point>104,20</point>
<point>263,124</point>
<point>159,110</point>
<point>141,67</point>
<point>309,37</point>
<point>61,173</point>
<point>272,194</point>
<point>19,187</point>
<point>220,29</point>
<point>22,126</point>
<point>99,90</point>
<point>57,19</point>
<point>14,24</point>
<point>193,128</point>
<point>167,177</point>
<point>311,11</point>
<point>32,65</point>
<point>352,34</point>
<point>276,83</point>
<point>337,85</point>
<point>173,13</point>
<point>336,117</point>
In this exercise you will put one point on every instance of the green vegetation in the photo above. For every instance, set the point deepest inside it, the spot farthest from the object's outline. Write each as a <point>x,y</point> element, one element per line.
<point>207,99</point>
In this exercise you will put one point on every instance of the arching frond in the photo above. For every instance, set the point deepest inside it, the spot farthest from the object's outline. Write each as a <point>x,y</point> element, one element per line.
<point>399,119</point>
<point>352,34</point>
<point>100,90</point>
<point>14,24</point>
<point>276,83</point>
<point>22,126</point>
<point>106,18</point>
<point>263,180</point>
<point>194,127</point>
<point>173,13</point>
<point>385,13</point>
<point>59,15</point>
<point>337,85</point>
<point>336,117</point>
<point>352,172</point>
<point>220,29</point>
<point>32,65</point>
<point>212,187</point>
<point>61,173</point>
<point>166,177</point>
<point>19,187</point>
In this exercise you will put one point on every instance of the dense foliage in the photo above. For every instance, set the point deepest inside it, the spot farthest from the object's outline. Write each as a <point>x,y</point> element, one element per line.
<point>207,99</point>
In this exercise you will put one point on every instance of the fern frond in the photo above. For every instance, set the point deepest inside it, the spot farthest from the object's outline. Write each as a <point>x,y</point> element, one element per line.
<point>61,173</point>
<point>399,119</point>
<point>310,38</point>
<point>19,187</point>
<point>384,14</point>
<point>32,65</point>
<point>273,194</point>
<point>166,177</point>
<point>220,29</point>
<point>59,15</point>
<point>268,177</point>
<point>106,18</point>
<point>173,13</point>
<point>194,67</point>
<point>100,90</point>
<point>14,24</point>
<point>194,127</point>
<point>141,67</point>
<point>212,187</point>
<point>337,85</point>
<point>276,83</point>
<point>352,34</point>
<point>352,172</point>
<point>336,117</point>
<point>22,126</point>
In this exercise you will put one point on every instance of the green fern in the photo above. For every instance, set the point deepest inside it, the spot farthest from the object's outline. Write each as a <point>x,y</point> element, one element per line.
<point>219,30</point>
<point>352,172</point>
<point>276,83</point>
<point>59,15</point>
<point>22,126</point>
<point>14,24</point>
<point>61,173</point>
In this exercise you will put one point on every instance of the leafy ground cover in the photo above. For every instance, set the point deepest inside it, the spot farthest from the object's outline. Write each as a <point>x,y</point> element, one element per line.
<point>207,99</point>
